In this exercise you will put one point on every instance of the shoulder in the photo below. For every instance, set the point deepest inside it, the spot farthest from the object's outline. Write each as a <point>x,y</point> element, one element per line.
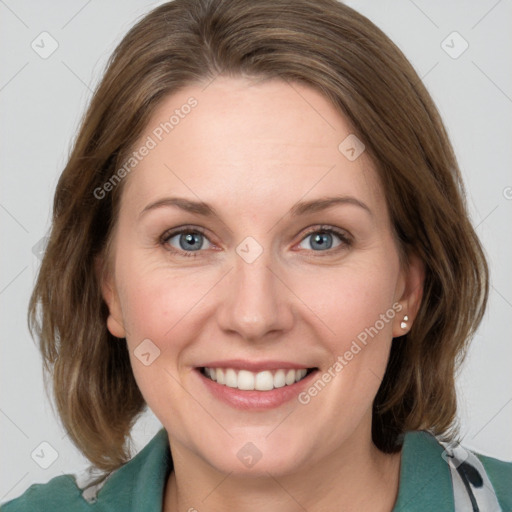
<point>135,486</point>
<point>440,476</point>
<point>500,475</point>
<point>59,494</point>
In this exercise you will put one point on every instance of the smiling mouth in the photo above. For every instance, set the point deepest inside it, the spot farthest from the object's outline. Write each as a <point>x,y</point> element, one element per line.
<point>245,380</point>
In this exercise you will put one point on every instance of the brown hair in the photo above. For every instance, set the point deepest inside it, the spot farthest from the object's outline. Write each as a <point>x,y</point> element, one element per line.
<point>335,50</point>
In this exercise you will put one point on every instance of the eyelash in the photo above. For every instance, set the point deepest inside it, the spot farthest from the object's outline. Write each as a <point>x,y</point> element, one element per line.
<point>346,241</point>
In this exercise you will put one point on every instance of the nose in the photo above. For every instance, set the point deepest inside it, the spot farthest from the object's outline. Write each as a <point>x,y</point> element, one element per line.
<point>257,304</point>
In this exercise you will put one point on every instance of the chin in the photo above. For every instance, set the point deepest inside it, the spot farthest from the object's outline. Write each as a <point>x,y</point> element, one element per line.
<point>256,456</point>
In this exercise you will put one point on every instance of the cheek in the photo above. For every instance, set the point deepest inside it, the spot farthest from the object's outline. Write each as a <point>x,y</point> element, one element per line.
<point>352,299</point>
<point>357,304</point>
<point>156,312</point>
<point>154,297</point>
<point>168,309</point>
<point>151,308</point>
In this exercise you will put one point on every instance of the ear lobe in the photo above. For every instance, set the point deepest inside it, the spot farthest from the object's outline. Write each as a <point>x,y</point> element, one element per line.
<point>412,295</point>
<point>115,323</point>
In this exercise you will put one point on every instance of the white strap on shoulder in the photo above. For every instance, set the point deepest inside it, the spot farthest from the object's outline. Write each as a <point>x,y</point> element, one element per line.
<point>472,489</point>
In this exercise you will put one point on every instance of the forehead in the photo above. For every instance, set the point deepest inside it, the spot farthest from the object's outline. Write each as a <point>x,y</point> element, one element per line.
<point>254,143</point>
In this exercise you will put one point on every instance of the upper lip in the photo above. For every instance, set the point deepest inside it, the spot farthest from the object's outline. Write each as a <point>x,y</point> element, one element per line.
<point>255,366</point>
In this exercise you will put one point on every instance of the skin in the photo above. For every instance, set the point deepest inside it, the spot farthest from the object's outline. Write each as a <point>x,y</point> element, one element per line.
<point>253,150</point>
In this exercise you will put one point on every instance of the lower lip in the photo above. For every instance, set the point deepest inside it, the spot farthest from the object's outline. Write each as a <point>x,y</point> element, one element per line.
<point>256,399</point>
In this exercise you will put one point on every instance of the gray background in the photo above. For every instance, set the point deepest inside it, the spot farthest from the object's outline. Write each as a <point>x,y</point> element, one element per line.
<point>41,102</point>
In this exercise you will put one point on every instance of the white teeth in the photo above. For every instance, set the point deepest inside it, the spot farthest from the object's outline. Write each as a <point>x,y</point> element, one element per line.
<point>279,379</point>
<point>290,377</point>
<point>264,381</point>
<point>245,380</point>
<point>300,374</point>
<point>231,378</point>
<point>261,381</point>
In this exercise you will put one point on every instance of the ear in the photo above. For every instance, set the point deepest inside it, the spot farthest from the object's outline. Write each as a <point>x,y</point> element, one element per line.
<point>412,281</point>
<point>115,323</point>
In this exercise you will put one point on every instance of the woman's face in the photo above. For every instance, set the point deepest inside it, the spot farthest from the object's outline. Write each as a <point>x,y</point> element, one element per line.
<point>288,265</point>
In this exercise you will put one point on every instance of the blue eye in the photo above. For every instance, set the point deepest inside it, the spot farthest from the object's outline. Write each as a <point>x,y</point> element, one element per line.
<point>190,241</point>
<point>322,239</point>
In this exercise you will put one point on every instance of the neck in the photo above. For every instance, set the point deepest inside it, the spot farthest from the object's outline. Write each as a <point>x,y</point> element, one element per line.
<point>348,480</point>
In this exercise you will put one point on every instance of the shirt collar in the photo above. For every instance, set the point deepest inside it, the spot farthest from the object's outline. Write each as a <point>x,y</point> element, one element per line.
<point>140,483</point>
<point>425,480</point>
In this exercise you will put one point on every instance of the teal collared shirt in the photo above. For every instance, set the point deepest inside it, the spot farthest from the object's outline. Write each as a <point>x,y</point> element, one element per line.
<point>425,482</point>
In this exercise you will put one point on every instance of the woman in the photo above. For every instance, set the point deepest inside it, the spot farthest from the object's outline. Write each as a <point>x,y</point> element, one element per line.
<point>261,234</point>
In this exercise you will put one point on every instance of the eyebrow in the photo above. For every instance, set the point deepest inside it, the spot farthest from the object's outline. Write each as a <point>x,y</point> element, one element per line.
<point>301,208</point>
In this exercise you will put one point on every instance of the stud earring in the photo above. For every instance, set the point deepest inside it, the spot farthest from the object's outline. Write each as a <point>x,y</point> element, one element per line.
<point>403,324</point>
